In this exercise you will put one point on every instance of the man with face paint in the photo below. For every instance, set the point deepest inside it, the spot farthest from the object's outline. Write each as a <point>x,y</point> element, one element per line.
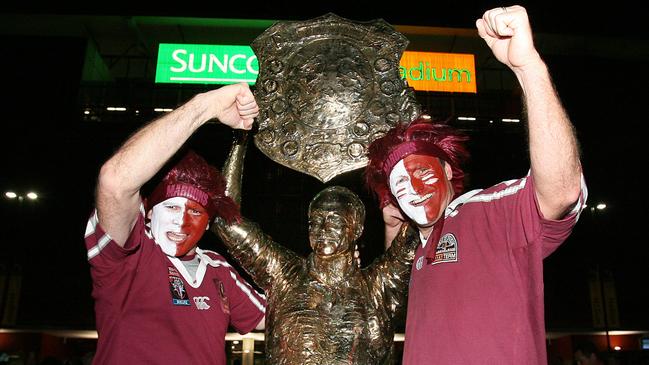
<point>323,309</point>
<point>476,289</point>
<point>159,298</point>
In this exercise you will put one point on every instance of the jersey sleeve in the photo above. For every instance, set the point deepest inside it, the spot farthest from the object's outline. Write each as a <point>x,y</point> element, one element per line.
<point>247,306</point>
<point>554,232</point>
<point>104,254</point>
<point>526,219</point>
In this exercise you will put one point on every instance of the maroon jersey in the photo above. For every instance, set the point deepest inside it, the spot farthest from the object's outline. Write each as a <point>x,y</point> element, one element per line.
<point>480,301</point>
<point>150,310</point>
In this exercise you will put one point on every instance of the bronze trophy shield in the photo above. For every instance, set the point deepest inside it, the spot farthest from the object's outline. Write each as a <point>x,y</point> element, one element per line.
<point>327,87</point>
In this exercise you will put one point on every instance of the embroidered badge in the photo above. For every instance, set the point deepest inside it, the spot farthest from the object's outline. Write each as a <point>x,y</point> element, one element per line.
<point>420,263</point>
<point>446,250</point>
<point>225,302</point>
<point>177,288</point>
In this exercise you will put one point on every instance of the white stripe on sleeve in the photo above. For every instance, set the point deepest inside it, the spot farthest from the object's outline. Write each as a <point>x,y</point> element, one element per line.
<point>92,224</point>
<point>95,250</point>
<point>247,290</point>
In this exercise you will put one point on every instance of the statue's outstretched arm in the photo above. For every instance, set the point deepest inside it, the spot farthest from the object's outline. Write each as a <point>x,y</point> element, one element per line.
<point>255,251</point>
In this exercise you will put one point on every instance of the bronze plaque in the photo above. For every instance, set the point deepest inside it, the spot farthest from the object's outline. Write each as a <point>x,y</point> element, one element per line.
<point>327,87</point>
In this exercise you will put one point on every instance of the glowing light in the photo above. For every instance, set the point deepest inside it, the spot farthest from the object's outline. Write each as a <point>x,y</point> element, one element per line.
<point>617,348</point>
<point>601,206</point>
<point>32,195</point>
<point>11,195</point>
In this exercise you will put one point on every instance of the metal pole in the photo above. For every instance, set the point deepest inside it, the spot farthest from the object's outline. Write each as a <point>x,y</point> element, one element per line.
<point>248,355</point>
<point>606,326</point>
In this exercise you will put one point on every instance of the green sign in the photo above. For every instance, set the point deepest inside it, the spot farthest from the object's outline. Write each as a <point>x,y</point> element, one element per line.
<point>205,64</point>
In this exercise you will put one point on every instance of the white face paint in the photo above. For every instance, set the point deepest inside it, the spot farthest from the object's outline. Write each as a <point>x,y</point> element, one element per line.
<point>422,187</point>
<point>177,224</point>
<point>402,189</point>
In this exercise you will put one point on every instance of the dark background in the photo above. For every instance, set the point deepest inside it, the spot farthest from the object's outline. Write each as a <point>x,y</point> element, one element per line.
<point>49,147</point>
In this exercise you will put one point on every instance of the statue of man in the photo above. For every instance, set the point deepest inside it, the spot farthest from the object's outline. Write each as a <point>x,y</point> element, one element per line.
<point>324,309</point>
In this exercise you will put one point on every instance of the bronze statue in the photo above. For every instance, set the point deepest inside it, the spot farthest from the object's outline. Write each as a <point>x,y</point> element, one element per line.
<point>323,309</point>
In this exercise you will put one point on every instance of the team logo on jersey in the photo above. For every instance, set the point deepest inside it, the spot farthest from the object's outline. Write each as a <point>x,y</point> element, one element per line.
<point>225,302</point>
<point>201,302</point>
<point>446,250</point>
<point>177,288</point>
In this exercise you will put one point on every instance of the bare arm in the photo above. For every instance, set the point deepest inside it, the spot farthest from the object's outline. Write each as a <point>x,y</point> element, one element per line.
<point>554,154</point>
<point>144,153</point>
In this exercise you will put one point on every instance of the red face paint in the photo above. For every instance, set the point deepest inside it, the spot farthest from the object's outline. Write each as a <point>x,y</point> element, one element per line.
<point>177,224</point>
<point>420,184</point>
<point>195,222</point>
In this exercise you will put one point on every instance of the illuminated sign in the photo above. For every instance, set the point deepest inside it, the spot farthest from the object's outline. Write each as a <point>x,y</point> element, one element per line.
<point>221,64</point>
<point>205,64</point>
<point>428,71</point>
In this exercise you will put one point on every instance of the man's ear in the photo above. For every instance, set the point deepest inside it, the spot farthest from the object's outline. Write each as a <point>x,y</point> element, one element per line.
<point>448,170</point>
<point>149,213</point>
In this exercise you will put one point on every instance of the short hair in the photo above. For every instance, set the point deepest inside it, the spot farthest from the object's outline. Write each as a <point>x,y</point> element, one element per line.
<point>349,199</point>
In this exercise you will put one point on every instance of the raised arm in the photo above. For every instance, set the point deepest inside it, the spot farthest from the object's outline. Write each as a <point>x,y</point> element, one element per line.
<point>554,154</point>
<point>144,153</point>
<point>255,251</point>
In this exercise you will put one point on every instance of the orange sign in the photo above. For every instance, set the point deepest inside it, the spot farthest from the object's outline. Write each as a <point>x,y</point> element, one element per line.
<point>429,71</point>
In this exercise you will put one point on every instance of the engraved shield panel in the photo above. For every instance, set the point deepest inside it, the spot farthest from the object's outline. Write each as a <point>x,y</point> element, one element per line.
<point>327,87</point>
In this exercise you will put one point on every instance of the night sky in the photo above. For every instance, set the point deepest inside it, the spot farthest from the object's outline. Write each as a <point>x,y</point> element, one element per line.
<point>48,147</point>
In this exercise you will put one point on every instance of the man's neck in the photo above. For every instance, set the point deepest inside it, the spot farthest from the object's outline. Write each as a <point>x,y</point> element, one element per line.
<point>426,231</point>
<point>332,270</point>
